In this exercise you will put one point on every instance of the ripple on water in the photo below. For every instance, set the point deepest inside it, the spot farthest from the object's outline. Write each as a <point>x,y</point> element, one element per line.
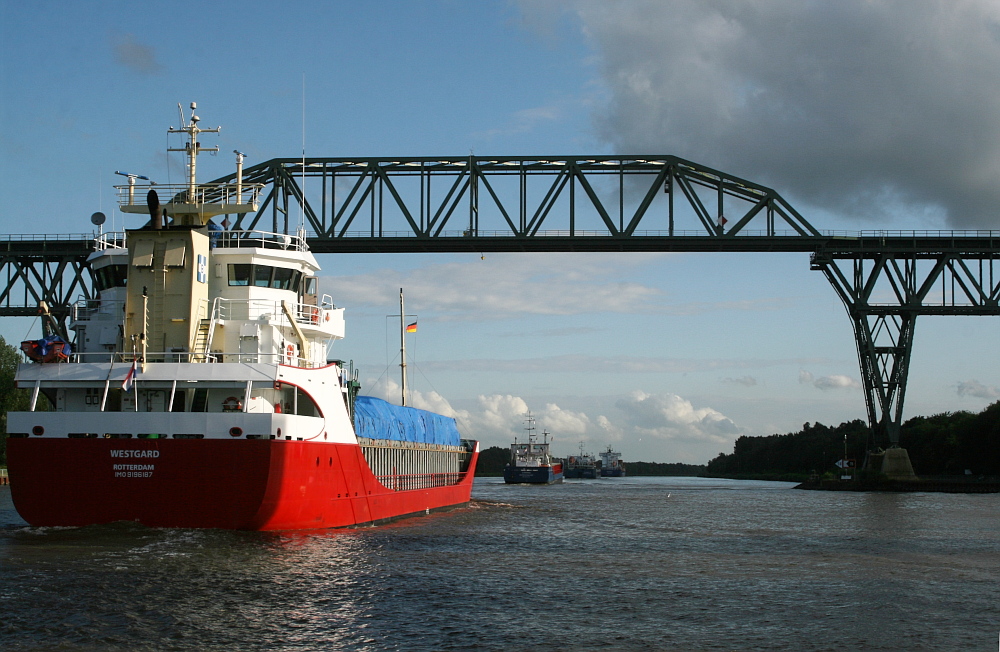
<point>648,564</point>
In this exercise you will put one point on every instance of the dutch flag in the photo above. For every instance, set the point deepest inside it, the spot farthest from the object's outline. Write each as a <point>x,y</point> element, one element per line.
<point>130,378</point>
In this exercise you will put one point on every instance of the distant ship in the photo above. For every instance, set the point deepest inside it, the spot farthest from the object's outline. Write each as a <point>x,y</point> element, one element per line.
<point>611,464</point>
<point>199,394</point>
<point>583,466</point>
<point>530,463</point>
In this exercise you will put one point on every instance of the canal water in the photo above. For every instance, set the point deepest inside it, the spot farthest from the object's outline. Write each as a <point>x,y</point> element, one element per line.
<point>623,563</point>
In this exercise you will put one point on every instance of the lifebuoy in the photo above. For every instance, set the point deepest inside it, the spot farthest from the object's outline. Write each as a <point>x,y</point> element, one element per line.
<point>290,353</point>
<point>327,316</point>
<point>315,315</point>
<point>232,404</point>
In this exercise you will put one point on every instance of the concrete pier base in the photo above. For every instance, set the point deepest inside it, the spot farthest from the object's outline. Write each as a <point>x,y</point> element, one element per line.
<point>896,465</point>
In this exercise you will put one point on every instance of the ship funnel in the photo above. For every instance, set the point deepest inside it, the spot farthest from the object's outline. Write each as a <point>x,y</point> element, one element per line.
<point>153,202</point>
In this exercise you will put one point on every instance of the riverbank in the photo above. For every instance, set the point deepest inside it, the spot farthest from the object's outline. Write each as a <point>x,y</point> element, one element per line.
<point>944,484</point>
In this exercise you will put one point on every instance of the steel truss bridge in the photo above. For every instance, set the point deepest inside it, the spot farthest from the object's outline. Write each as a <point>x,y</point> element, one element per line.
<point>583,204</point>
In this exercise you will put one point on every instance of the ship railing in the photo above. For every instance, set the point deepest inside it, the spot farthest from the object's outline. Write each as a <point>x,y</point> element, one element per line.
<point>411,481</point>
<point>85,310</point>
<point>213,319</point>
<point>227,239</point>
<point>110,240</point>
<point>259,240</point>
<point>270,310</point>
<point>204,193</point>
<point>126,358</point>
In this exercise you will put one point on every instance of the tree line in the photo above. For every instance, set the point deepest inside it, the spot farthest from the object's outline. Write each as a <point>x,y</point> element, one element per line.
<point>950,443</point>
<point>664,468</point>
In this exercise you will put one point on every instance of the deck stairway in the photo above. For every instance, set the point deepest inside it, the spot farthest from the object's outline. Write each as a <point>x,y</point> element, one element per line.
<point>202,341</point>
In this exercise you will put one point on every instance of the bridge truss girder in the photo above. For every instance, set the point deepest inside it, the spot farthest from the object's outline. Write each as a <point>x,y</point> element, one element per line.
<point>884,293</point>
<point>427,198</point>
<point>51,271</point>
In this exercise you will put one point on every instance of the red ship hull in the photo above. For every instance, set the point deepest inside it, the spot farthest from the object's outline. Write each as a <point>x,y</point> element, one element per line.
<point>241,485</point>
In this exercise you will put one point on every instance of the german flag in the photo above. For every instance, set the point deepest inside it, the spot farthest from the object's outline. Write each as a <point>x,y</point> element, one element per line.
<point>412,328</point>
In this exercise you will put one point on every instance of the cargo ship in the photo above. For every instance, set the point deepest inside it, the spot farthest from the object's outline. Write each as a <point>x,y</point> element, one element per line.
<point>611,464</point>
<point>530,462</point>
<point>582,466</point>
<point>198,391</point>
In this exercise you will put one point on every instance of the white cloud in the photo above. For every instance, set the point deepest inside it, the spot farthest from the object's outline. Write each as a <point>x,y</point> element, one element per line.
<point>430,401</point>
<point>498,416</point>
<point>669,411</point>
<point>524,121</point>
<point>853,105</point>
<point>661,428</point>
<point>610,430</point>
<point>746,381</point>
<point>977,389</point>
<point>506,286</point>
<point>836,381</point>
<point>675,429</point>
<point>511,286</point>
<point>564,422</point>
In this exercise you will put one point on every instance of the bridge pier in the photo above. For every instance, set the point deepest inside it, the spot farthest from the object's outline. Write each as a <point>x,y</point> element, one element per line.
<point>893,463</point>
<point>884,291</point>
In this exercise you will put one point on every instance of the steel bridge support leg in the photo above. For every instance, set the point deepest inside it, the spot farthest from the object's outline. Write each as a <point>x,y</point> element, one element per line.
<point>884,339</point>
<point>885,343</point>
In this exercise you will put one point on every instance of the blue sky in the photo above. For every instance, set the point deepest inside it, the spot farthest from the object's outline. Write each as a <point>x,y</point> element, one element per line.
<point>666,357</point>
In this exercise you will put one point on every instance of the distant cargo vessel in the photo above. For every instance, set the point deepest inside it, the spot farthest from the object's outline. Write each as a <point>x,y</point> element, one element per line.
<point>199,393</point>
<point>582,466</point>
<point>611,464</point>
<point>531,463</point>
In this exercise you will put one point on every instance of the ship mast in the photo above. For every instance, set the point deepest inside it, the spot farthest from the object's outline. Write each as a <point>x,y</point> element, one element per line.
<point>191,204</point>
<point>402,343</point>
<point>193,147</point>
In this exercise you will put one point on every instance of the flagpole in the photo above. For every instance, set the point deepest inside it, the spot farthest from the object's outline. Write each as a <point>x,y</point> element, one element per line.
<point>145,327</point>
<point>135,386</point>
<point>402,343</point>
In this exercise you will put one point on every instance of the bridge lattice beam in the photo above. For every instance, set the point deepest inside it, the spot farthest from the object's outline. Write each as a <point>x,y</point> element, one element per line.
<point>521,197</point>
<point>36,269</point>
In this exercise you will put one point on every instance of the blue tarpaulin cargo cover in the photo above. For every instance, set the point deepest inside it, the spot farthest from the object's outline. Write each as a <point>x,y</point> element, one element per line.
<point>377,419</point>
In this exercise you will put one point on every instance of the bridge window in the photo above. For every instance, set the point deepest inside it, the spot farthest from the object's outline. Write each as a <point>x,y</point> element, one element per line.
<point>239,274</point>
<point>262,276</point>
<point>282,279</point>
<point>112,276</point>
